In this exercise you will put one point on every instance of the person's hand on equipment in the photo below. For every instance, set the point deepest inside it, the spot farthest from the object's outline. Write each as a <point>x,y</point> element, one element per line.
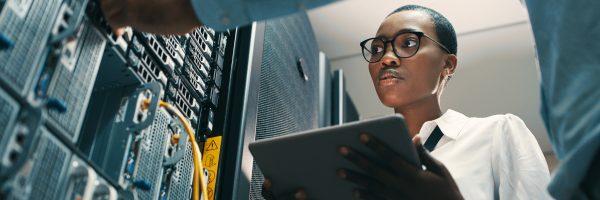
<point>152,16</point>
<point>266,192</point>
<point>397,179</point>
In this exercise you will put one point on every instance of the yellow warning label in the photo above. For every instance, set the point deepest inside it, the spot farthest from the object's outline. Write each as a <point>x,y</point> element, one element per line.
<point>210,160</point>
<point>213,145</point>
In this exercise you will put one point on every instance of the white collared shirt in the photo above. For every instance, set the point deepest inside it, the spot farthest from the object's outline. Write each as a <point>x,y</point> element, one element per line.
<point>495,157</point>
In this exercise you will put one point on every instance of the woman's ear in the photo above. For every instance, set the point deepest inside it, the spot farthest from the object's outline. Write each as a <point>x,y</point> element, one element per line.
<point>450,64</point>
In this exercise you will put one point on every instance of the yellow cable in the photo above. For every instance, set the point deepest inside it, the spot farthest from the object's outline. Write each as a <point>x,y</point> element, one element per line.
<point>198,168</point>
<point>195,151</point>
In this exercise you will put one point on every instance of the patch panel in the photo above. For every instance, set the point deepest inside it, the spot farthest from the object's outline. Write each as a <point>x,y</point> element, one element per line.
<point>187,89</point>
<point>187,105</point>
<point>150,64</point>
<point>196,82</point>
<point>173,48</point>
<point>166,62</point>
<point>202,45</point>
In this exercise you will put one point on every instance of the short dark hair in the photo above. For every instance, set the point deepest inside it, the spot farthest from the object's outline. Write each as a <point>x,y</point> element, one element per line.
<point>443,28</point>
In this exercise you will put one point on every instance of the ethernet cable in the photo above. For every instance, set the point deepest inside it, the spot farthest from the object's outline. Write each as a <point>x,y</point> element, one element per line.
<point>198,168</point>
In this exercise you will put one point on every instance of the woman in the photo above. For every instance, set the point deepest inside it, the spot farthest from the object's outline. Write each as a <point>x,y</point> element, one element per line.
<point>411,59</point>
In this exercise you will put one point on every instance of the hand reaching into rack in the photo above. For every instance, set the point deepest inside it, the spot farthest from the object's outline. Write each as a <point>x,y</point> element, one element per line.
<point>153,16</point>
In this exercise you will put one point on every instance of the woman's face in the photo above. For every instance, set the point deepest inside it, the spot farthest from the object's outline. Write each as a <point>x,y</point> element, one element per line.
<point>402,81</point>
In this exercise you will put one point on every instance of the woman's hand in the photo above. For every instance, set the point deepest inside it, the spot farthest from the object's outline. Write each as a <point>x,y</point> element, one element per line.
<point>397,179</point>
<point>266,192</point>
<point>153,16</point>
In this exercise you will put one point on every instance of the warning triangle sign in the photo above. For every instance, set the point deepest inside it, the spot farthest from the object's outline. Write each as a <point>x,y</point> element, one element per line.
<point>212,146</point>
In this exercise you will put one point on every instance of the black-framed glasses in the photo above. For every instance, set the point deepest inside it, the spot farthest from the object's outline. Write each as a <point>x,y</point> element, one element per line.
<point>405,45</point>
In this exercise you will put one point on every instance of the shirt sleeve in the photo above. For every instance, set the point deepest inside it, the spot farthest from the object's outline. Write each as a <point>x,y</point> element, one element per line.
<point>519,167</point>
<point>226,14</point>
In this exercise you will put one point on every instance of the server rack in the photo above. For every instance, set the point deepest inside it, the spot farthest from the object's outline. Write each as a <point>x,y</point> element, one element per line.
<point>72,124</point>
<point>278,90</point>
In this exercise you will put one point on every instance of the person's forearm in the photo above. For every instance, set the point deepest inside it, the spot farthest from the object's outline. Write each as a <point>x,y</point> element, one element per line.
<point>159,17</point>
<point>227,14</point>
<point>182,16</point>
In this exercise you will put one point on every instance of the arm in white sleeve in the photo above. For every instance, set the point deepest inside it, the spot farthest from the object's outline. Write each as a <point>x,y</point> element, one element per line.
<point>227,14</point>
<point>519,167</point>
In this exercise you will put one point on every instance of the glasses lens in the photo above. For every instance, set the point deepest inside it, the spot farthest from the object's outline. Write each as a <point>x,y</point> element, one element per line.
<point>373,49</point>
<point>406,44</point>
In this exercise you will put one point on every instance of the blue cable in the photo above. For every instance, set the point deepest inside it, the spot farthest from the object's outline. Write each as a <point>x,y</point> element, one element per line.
<point>5,42</point>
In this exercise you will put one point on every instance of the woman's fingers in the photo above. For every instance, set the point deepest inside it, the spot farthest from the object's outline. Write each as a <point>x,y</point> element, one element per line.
<point>362,194</point>
<point>371,168</point>
<point>299,194</point>
<point>424,156</point>
<point>432,164</point>
<point>267,193</point>
<point>266,190</point>
<point>398,164</point>
<point>373,188</point>
<point>360,180</point>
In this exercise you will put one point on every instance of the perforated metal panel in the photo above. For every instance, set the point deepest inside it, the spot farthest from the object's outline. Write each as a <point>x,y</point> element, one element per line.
<point>75,87</point>
<point>27,23</point>
<point>51,160</point>
<point>287,103</point>
<point>153,146</point>
<point>41,175</point>
<point>181,180</point>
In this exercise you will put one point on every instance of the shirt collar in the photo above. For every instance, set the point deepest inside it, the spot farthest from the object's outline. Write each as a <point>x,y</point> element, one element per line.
<point>450,123</point>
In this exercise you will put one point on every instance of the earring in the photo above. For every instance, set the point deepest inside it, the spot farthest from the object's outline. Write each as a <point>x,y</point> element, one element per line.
<point>448,73</point>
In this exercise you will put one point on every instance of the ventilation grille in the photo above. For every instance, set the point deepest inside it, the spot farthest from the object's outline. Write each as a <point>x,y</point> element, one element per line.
<point>75,87</point>
<point>153,146</point>
<point>29,34</point>
<point>181,180</point>
<point>50,162</point>
<point>286,102</point>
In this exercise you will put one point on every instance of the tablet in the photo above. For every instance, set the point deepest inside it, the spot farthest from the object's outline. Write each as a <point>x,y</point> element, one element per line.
<point>310,159</point>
